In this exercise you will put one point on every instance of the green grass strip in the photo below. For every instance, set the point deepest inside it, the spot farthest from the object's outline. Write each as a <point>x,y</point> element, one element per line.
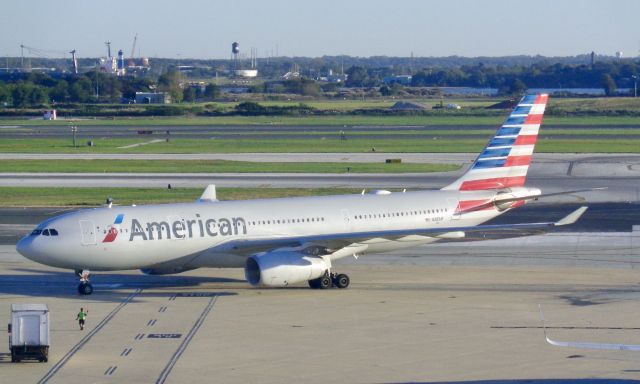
<point>314,145</point>
<point>91,197</point>
<point>212,166</point>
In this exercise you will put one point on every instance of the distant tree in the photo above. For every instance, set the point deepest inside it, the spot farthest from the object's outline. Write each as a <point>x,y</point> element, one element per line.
<point>189,94</point>
<point>37,96</point>
<point>20,94</point>
<point>82,90</point>
<point>608,84</point>
<point>513,87</point>
<point>170,82</point>
<point>302,86</point>
<point>250,108</point>
<point>5,95</point>
<point>212,91</point>
<point>357,76</point>
<point>60,92</point>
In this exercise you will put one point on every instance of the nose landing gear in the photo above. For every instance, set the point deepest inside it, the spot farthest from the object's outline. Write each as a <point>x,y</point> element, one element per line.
<point>85,287</point>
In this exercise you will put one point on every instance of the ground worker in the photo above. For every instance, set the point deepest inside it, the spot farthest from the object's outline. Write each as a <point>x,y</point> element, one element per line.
<point>82,315</point>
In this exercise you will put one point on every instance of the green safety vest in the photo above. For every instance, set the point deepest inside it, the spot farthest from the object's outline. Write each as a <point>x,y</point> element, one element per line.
<point>82,315</point>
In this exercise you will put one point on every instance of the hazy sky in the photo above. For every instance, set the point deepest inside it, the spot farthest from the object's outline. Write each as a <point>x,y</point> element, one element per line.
<point>206,29</point>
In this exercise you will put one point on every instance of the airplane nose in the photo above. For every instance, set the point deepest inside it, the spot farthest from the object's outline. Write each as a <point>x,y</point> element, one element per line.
<point>23,246</point>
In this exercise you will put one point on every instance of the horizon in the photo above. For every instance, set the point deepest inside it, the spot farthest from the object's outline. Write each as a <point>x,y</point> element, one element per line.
<point>199,29</point>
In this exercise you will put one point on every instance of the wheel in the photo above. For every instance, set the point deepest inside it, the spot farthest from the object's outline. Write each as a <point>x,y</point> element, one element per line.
<point>314,284</point>
<point>342,281</point>
<point>85,289</point>
<point>45,359</point>
<point>325,282</point>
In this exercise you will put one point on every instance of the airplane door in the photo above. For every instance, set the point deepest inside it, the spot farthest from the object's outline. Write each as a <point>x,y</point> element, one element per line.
<point>88,231</point>
<point>454,208</point>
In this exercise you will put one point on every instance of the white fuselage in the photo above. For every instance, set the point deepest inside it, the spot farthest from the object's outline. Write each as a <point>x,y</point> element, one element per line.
<point>192,235</point>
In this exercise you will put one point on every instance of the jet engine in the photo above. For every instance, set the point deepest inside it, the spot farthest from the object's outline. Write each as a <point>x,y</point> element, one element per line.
<point>280,268</point>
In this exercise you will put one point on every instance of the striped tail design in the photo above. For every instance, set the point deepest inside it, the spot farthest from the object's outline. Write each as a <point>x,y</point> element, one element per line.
<point>505,160</point>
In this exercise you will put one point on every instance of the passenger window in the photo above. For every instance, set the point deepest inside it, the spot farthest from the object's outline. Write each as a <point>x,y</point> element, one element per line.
<point>53,232</point>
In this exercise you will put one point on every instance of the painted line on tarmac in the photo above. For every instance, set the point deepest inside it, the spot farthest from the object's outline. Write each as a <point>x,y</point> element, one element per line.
<point>167,369</point>
<point>86,339</point>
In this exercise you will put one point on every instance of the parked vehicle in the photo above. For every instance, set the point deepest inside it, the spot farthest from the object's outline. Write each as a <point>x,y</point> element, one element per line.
<point>29,332</point>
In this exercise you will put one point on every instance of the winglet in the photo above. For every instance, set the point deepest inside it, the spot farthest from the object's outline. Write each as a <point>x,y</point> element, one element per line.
<point>572,217</point>
<point>209,194</point>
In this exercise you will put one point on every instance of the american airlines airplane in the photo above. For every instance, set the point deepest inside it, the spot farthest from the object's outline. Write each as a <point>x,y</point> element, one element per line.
<point>285,241</point>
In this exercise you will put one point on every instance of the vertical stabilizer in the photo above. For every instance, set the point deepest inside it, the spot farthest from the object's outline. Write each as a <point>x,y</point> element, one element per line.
<point>505,160</point>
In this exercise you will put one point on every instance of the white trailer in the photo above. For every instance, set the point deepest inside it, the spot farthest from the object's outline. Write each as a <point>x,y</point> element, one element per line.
<point>29,332</point>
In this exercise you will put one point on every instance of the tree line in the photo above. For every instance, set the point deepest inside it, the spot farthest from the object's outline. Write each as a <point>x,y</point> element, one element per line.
<point>36,89</point>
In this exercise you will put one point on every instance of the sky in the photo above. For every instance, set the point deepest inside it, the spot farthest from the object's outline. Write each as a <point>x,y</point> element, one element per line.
<point>205,29</point>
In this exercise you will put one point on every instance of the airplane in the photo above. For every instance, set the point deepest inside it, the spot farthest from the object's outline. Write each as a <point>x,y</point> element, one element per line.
<point>585,345</point>
<point>286,241</point>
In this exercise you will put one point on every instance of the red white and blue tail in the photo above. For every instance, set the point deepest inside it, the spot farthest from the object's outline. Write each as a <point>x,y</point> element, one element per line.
<point>505,160</point>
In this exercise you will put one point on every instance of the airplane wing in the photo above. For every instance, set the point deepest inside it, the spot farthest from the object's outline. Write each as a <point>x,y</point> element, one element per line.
<point>499,201</point>
<point>335,241</point>
<point>586,345</point>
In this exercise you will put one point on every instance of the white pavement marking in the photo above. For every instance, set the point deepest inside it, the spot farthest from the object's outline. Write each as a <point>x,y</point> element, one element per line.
<point>141,144</point>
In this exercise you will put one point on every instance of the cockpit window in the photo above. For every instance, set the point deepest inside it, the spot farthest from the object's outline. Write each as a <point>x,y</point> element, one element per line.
<point>44,232</point>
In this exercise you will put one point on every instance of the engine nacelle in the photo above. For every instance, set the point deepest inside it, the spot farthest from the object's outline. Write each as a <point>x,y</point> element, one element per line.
<point>281,268</point>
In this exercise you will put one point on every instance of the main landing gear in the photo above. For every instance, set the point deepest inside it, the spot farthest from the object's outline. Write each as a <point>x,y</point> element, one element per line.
<point>85,287</point>
<point>329,280</point>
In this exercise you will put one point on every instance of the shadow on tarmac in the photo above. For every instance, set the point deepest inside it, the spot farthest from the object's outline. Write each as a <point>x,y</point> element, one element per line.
<point>111,287</point>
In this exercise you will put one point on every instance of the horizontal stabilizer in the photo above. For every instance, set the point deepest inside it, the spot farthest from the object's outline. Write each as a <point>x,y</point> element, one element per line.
<point>585,345</point>
<point>572,217</point>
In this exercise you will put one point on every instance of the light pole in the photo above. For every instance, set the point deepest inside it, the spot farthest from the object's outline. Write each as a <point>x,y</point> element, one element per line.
<point>635,85</point>
<point>74,129</point>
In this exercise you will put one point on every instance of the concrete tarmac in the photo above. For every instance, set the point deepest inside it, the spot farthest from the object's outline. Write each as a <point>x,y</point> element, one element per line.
<point>455,312</point>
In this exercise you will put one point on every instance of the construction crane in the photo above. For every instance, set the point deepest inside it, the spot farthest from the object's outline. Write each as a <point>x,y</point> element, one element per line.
<point>133,47</point>
<point>43,53</point>
<point>75,62</point>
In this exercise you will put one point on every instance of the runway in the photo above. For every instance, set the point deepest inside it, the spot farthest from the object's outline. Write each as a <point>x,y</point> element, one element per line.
<point>440,313</point>
<point>450,312</point>
<point>551,172</point>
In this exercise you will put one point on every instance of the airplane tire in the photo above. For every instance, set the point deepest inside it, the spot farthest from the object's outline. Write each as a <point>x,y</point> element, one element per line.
<point>342,281</point>
<point>325,282</point>
<point>85,289</point>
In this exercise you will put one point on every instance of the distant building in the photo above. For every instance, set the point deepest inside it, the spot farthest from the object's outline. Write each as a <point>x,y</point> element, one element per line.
<point>399,79</point>
<point>153,98</point>
<point>338,78</point>
<point>50,114</point>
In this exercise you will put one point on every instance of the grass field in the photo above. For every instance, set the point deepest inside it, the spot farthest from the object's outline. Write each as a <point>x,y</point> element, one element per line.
<point>91,197</point>
<point>212,166</point>
<point>437,118</point>
<point>313,145</point>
